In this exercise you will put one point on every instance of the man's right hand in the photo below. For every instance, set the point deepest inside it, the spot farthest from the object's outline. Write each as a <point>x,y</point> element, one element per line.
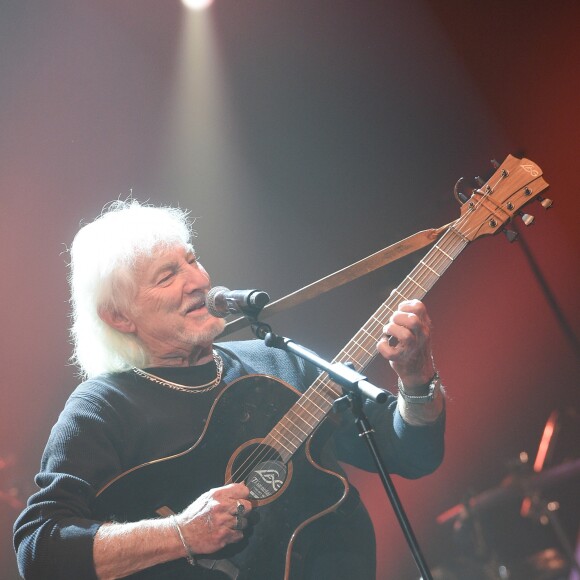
<point>212,521</point>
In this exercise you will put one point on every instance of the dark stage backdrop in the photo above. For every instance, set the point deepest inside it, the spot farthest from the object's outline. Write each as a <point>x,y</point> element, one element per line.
<point>305,135</point>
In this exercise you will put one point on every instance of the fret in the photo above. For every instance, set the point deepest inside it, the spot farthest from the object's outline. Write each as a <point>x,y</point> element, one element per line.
<point>429,267</point>
<point>315,412</point>
<point>334,391</point>
<point>370,334</point>
<point>320,399</point>
<point>417,284</point>
<point>457,233</point>
<point>443,252</point>
<point>279,442</point>
<point>375,318</point>
<point>295,423</point>
<point>331,391</point>
<point>362,347</point>
<point>284,433</point>
<point>301,405</point>
<point>396,291</point>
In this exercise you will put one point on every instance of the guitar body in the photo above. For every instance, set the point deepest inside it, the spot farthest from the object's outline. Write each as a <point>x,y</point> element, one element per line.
<point>287,498</point>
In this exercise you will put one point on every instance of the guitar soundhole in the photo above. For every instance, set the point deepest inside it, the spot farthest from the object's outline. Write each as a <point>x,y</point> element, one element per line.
<point>261,469</point>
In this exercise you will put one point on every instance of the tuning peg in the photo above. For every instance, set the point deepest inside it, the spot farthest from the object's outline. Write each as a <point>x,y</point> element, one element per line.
<point>510,235</point>
<point>527,219</point>
<point>545,202</point>
<point>480,181</point>
<point>494,163</point>
<point>459,195</point>
<point>462,197</point>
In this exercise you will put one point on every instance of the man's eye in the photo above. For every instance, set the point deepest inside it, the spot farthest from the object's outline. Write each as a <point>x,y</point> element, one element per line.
<point>165,279</point>
<point>193,259</point>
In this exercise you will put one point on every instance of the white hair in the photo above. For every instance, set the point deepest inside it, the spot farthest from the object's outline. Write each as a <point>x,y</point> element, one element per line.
<point>103,256</point>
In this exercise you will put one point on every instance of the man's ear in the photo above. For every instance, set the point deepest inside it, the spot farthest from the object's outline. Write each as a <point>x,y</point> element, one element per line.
<point>117,320</point>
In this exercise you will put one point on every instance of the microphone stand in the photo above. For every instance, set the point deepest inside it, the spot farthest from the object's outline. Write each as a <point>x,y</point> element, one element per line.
<point>355,386</point>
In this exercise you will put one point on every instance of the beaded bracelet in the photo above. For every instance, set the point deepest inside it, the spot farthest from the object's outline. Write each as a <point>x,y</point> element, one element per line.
<point>190,555</point>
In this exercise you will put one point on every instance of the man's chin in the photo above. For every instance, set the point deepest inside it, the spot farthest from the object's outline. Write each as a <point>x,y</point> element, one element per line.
<point>218,326</point>
<point>210,330</point>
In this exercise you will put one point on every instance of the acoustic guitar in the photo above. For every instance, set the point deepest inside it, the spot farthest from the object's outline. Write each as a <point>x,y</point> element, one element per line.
<point>263,432</point>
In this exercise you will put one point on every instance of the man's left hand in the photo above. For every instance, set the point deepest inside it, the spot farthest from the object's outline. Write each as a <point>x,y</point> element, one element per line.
<point>406,344</point>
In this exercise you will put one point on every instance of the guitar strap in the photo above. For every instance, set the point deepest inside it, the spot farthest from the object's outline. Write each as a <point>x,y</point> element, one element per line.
<point>365,266</point>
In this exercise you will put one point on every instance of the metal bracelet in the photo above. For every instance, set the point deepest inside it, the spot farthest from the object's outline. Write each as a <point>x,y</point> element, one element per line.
<point>432,385</point>
<point>190,555</point>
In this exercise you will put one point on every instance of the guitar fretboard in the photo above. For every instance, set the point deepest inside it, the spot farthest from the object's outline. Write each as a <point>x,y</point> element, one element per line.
<point>315,404</point>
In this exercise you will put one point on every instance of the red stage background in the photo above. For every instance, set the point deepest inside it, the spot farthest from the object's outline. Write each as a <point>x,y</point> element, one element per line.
<point>341,127</point>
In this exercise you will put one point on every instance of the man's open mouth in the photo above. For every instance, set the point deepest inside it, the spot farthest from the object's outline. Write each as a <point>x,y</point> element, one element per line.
<point>197,305</point>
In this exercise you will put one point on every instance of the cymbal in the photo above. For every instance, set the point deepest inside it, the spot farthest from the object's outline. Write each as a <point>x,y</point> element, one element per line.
<point>514,487</point>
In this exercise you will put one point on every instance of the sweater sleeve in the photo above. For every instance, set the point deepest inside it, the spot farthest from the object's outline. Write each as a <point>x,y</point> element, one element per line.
<point>408,450</point>
<point>54,535</point>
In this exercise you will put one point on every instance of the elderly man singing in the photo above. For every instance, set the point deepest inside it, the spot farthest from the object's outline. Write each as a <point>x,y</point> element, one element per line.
<point>145,473</point>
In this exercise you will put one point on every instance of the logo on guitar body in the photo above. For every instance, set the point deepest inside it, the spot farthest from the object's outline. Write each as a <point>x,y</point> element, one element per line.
<point>266,479</point>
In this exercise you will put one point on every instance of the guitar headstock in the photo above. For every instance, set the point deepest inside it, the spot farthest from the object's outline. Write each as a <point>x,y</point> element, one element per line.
<point>514,184</point>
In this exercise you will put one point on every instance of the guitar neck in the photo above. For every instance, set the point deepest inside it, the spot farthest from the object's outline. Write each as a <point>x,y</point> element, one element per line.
<point>514,184</point>
<point>361,350</point>
<point>315,404</point>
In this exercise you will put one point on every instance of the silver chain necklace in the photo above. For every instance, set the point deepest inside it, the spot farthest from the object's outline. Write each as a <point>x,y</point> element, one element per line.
<point>219,363</point>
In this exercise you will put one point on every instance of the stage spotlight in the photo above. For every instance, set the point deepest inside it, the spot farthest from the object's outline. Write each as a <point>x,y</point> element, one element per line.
<point>197,4</point>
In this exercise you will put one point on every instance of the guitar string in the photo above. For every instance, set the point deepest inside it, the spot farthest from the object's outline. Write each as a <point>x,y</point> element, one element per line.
<point>454,247</point>
<point>320,381</point>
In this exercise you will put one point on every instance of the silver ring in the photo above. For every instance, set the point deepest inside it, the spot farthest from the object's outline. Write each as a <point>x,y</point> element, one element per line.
<point>239,525</point>
<point>240,510</point>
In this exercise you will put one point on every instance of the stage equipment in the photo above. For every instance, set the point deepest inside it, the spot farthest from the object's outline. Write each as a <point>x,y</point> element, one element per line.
<point>528,487</point>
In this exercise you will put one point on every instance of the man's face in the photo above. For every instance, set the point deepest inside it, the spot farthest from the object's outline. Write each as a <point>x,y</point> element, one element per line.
<point>168,312</point>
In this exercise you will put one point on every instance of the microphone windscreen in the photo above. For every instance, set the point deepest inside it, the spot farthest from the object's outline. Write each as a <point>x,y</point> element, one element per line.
<point>216,303</point>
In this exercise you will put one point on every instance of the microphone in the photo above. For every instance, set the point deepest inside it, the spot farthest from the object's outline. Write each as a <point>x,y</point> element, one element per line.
<point>221,301</point>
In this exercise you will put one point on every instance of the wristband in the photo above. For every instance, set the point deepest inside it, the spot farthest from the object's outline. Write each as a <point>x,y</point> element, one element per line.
<point>420,399</point>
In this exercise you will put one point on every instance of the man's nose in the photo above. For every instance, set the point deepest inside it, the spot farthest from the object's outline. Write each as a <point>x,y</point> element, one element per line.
<point>196,278</point>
